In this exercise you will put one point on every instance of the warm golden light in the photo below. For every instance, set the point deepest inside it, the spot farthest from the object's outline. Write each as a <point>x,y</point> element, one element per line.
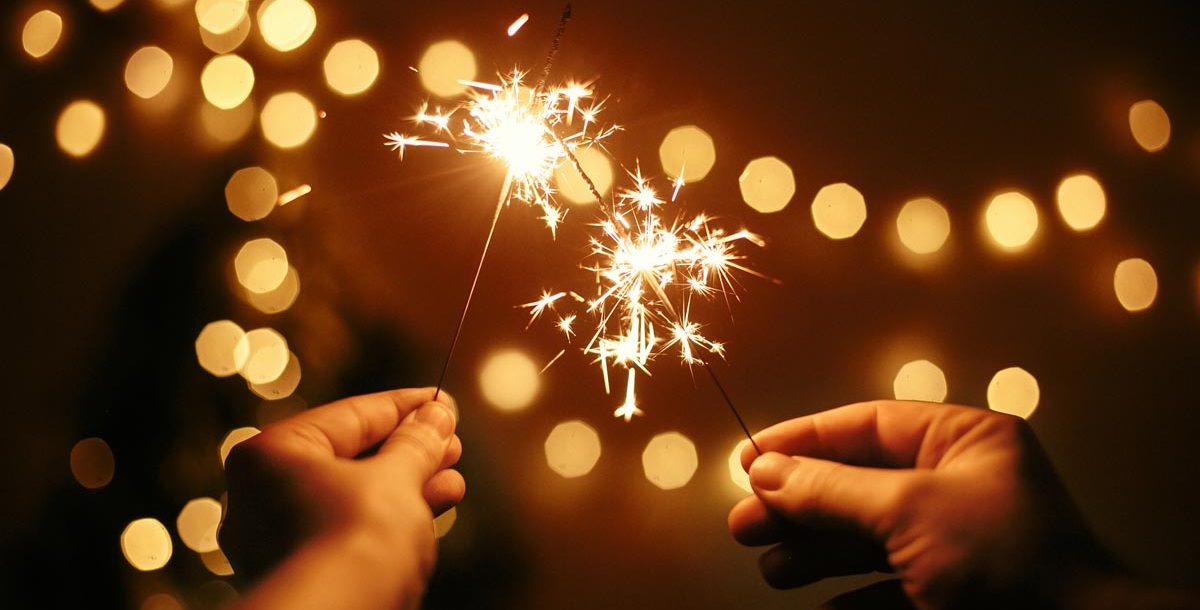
<point>351,67</point>
<point>92,463</point>
<point>737,474</point>
<point>220,16</point>
<point>288,119</point>
<point>444,66</point>
<point>687,153</point>
<point>572,449</point>
<point>767,184</point>
<point>80,128</point>
<point>509,380</point>
<point>284,385</point>
<point>222,348</point>
<point>227,81</point>
<point>148,71</point>
<point>7,162</point>
<point>197,524</point>
<point>669,460</point>
<point>106,5</point>
<point>1012,220</point>
<point>1081,202</point>
<point>1150,125</point>
<point>920,380</point>
<point>1013,391</point>
<point>146,544</point>
<point>923,225</point>
<point>229,41</point>
<point>443,523</point>
<point>161,601</point>
<point>278,300</point>
<point>227,126</point>
<point>839,211</point>
<point>596,165</point>
<point>269,356</point>
<point>261,265</point>
<point>1136,284</point>
<point>42,33</point>
<point>285,25</point>
<point>235,436</point>
<point>251,193</point>
<point>217,563</point>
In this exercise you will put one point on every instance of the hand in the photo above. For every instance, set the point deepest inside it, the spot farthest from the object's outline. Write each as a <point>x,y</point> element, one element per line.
<point>960,502</point>
<point>311,481</point>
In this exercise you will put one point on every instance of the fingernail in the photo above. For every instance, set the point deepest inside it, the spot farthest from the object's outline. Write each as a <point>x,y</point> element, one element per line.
<point>770,470</point>
<point>436,416</point>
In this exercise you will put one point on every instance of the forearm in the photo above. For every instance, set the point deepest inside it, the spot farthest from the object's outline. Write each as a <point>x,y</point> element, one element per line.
<point>351,571</point>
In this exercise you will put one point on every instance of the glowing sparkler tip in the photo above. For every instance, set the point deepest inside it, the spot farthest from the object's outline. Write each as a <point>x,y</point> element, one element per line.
<point>627,412</point>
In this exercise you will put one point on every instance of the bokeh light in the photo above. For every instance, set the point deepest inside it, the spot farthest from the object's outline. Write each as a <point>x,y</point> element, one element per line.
<point>737,474</point>
<point>80,128</point>
<point>161,601</point>
<point>767,184</point>
<point>220,16</point>
<point>235,436</point>
<point>283,386</point>
<point>146,544</point>
<point>351,67</point>
<point>229,41</point>
<point>839,211</point>
<point>1150,125</point>
<point>1135,283</point>
<point>923,225</point>
<point>572,187</point>
<point>920,380</point>
<point>1013,391</point>
<point>288,119</point>
<point>106,5</point>
<point>197,524</point>
<point>251,193</point>
<point>8,162</point>
<point>261,265</point>
<point>1011,219</point>
<point>222,348</point>
<point>1081,201</point>
<point>443,523</point>
<point>509,380</point>
<point>687,152</point>
<point>572,449</point>
<point>443,65</point>
<point>41,33</point>
<point>285,25</point>
<point>217,563</point>
<point>148,71</point>
<point>92,463</point>
<point>227,126</point>
<point>669,460</point>
<point>227,81</point>
<point>269,356</point>
<point>278,300</point>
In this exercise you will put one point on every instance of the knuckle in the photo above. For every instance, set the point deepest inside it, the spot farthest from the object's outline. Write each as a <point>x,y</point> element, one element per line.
<point>419,443</point>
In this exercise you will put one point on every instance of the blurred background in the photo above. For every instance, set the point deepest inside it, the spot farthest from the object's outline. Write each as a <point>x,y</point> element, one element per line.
<point>987,205</point>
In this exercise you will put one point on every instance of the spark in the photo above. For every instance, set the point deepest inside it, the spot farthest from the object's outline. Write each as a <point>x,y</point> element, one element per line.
<point>294,194</point>
<point>519,126</point>
<point>518,24</point>
<point>649,274</point>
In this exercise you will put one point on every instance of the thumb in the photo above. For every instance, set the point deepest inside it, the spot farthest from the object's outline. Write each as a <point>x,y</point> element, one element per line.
<point>417,446</point>
<point>806,489</point>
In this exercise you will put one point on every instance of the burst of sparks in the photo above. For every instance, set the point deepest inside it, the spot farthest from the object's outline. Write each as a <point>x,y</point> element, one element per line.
<point>649,273</point>
<point>531,130</point>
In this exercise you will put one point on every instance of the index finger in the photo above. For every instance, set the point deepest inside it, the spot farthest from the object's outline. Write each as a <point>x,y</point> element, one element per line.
<point>882,433</point>
<point>348,427</point>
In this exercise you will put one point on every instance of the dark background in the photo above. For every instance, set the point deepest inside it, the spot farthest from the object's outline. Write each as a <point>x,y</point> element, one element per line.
<point>113,263</point>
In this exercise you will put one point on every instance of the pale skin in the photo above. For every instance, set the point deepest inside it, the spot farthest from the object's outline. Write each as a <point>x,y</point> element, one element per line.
<point>959,502</point>
<point>334,507</point>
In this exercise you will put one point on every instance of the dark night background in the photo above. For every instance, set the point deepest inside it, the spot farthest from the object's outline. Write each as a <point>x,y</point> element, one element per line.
<point>114,262</point>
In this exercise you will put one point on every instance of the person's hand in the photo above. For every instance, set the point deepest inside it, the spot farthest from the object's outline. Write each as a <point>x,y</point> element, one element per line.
<point>363,476</point>
<point>960,502</point>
